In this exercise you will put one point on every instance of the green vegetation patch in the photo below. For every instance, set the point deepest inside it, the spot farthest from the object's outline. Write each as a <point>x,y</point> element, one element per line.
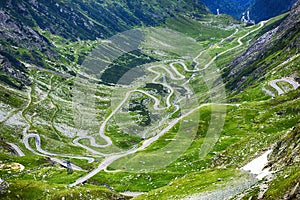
<point>195,29</point>
<point>41,190</point>
<point>123,64</point>
<point>194,183</point>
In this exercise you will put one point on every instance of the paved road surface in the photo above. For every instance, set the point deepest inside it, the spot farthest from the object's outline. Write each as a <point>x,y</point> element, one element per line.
<point>52,155</point>
<point>16,148</point>
<point>240,44</point>
<point>287,80</point>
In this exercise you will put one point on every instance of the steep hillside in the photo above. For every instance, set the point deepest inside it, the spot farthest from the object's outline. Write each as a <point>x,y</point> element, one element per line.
<point>265,9</point>
<point>285,159</point>
<point>95,19</point>
<point>259,9</point>
<point>276,44</point>
<point>234,8</point>
<point>22,24</point>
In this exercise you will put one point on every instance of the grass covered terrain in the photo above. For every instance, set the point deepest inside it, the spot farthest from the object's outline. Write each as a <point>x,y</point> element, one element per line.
<point>24,189</point>
<point>64,103</point>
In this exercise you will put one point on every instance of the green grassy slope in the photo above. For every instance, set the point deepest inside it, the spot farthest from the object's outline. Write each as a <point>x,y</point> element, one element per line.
<point>254,122</point>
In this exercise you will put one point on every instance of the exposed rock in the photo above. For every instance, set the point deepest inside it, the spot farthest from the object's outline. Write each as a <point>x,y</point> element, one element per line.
<point>18,34</point>
<point>3,186</point>
<point>286,151</point>
<point>294,193</point>
<point>284,37</point>
<point>253,52</point>
<point>265,9</point>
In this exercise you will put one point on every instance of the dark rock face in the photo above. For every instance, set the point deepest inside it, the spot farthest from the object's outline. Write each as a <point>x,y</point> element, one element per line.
<point>3,186</point>
<point>235,8</point>
<point>283,38</point>
<point>14,69</point>
<point>14,35</point>
<point>17,33</point>
<point>294,193</point>
<point>286,151</point>
<point>265,9</point>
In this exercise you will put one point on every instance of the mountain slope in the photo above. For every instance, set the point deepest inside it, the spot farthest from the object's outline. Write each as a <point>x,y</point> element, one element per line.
<point>259,9</point>
<point>56,116</point>
<point>22,23</point>
<point>273,47</point>
<point>265,9</point>
<point>234,8</point>
<point>257,124</point>
<point>95,19</point>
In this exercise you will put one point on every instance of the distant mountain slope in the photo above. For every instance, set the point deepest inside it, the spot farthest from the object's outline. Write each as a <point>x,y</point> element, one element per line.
<point>91,19</point>
<point>234,8</point>
<point>265,9</point>
<point>260,9</point>
<point>21,22</point>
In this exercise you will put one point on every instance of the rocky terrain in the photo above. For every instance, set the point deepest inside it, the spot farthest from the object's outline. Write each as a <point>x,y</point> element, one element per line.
<point>265,9</point>
<point>274,41</point>
<point>234,8</point>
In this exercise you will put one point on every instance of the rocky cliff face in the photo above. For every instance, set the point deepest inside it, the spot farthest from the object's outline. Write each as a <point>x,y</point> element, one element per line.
<point>252,64</point>
<point>234,8</point>
<point>286,151</point>
<point>284,161</point>
<point>265,9</point>
<point>14,36</point>
<point>18,42</point>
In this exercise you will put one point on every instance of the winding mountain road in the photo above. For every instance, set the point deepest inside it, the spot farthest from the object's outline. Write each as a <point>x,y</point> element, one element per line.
<point>109,160</point>
<point>240,44</point>
<point>287,80</point>
<point>16,148</point>
<point>195,60</point>
<point>146,143</point>
<point>173,73</point>
<point>128,94</point>
<point>157,102</point>
<point>52,155</point>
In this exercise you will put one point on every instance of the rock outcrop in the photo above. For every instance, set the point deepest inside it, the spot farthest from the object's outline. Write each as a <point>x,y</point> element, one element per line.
<point>252,64</point>
<point>287,151</point>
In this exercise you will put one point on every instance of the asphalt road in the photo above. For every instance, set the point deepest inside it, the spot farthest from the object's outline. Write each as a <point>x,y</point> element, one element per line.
<point>287,80</point>
<point>16,148</point>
